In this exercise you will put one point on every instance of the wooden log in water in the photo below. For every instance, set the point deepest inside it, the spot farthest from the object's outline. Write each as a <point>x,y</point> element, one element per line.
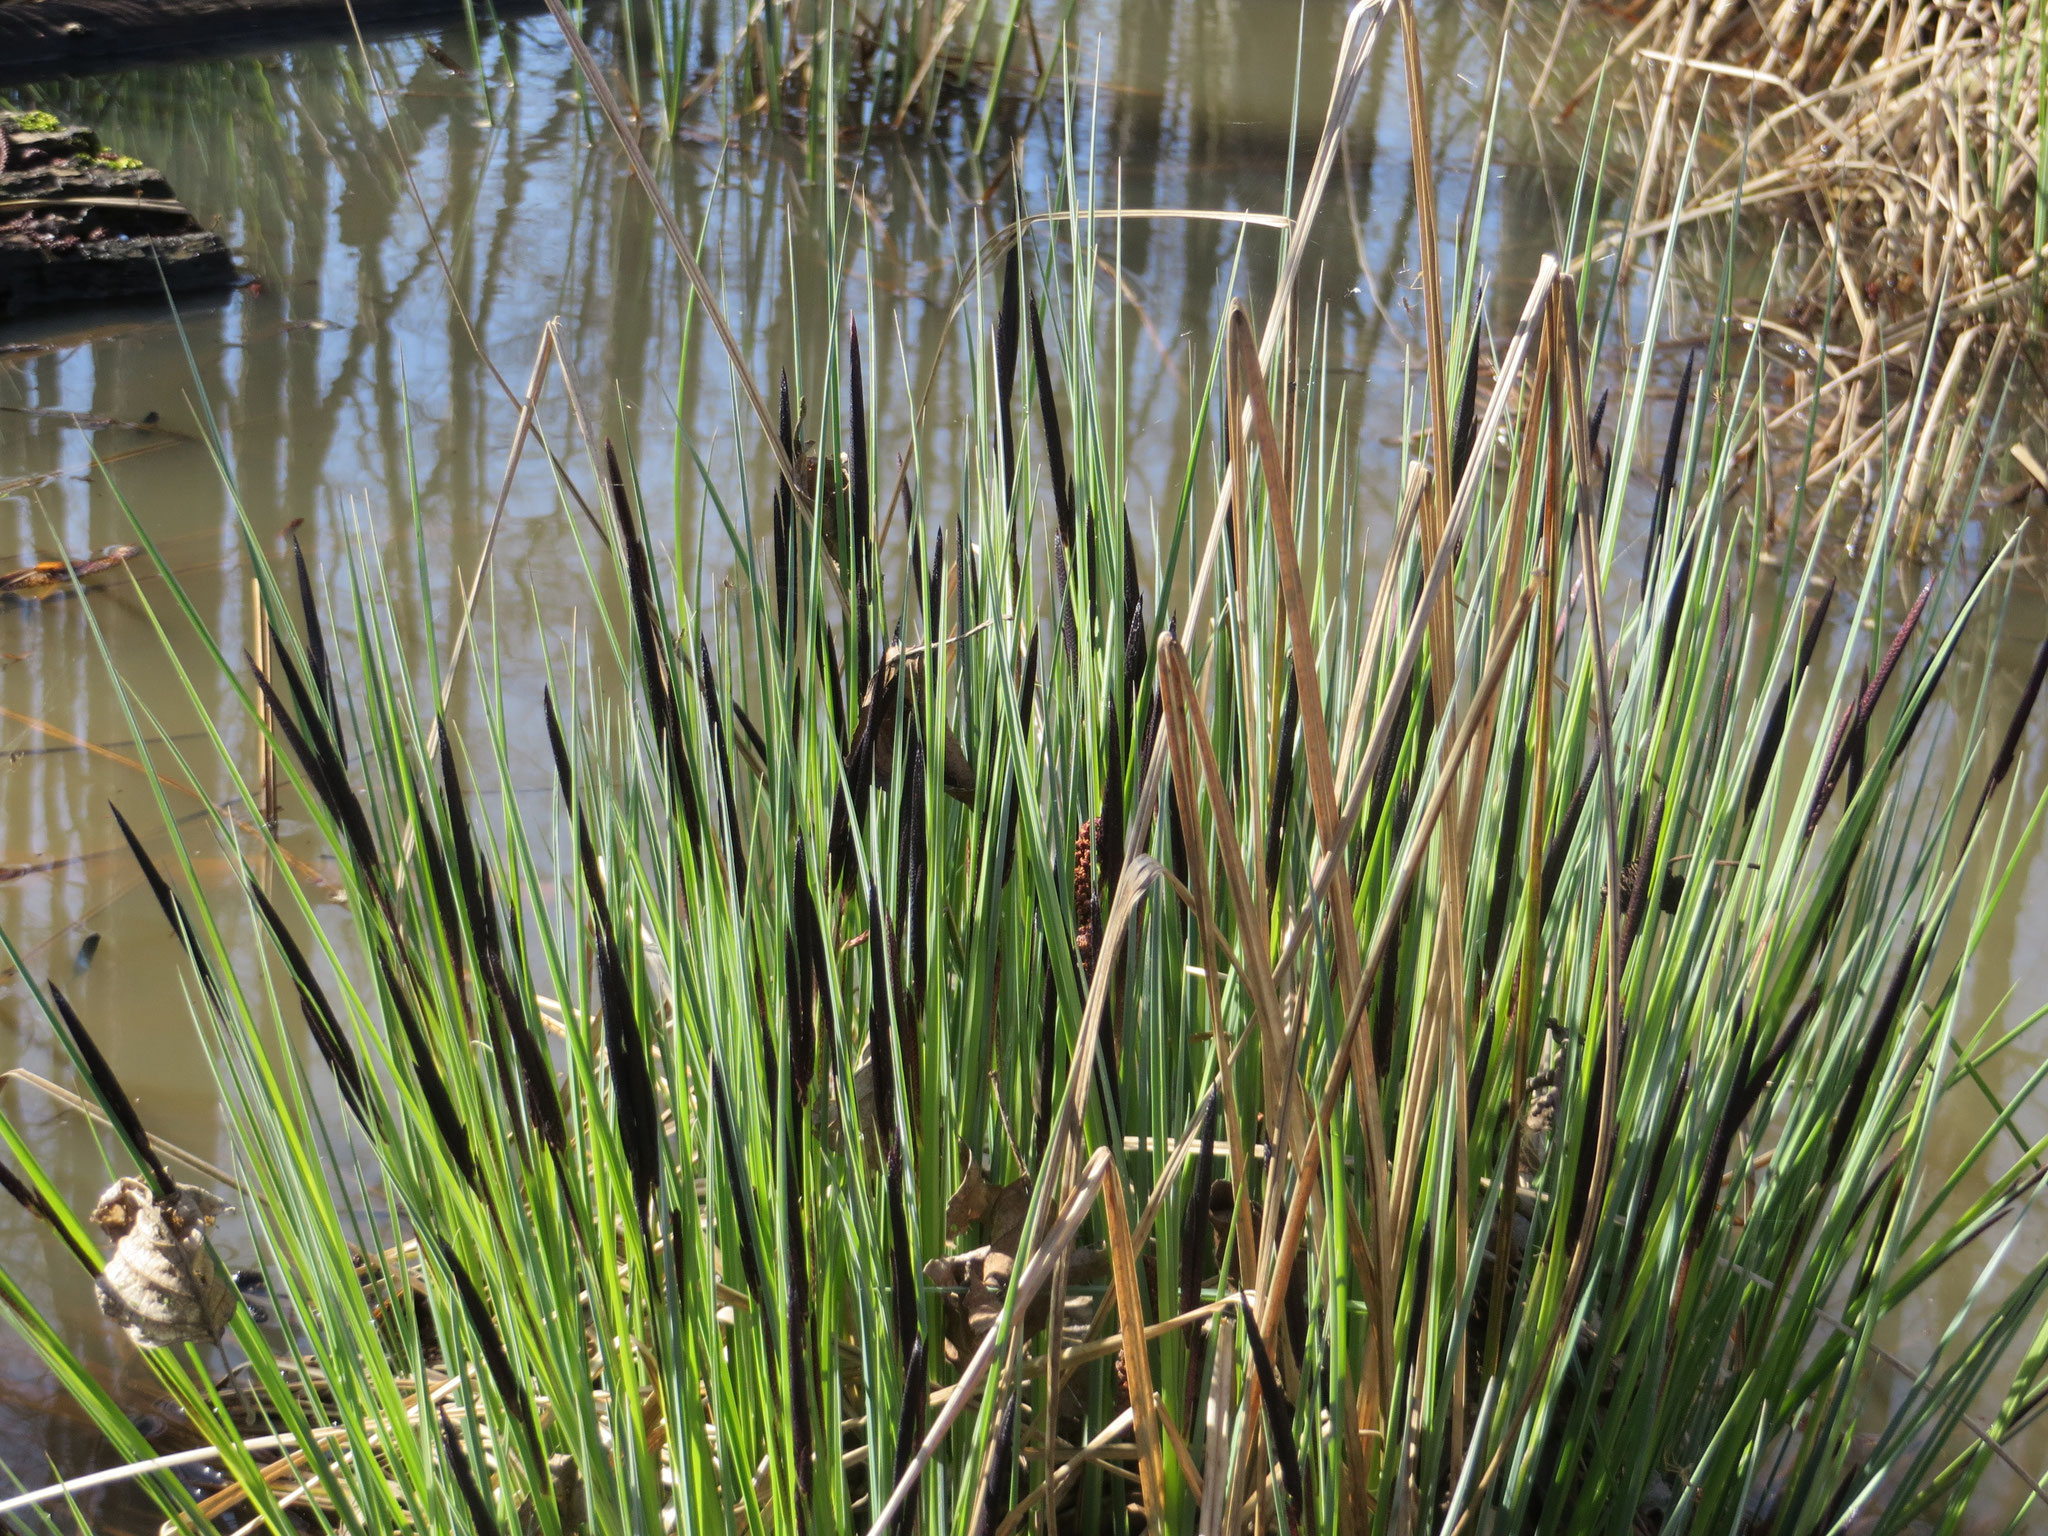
<point>80,225</point>
<point>84,37</point>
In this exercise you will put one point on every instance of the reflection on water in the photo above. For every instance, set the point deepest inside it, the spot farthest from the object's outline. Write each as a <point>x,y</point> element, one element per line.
<point>408,234</point>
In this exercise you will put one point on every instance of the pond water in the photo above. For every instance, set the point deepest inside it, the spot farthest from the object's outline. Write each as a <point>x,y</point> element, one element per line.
<point>409,233</point>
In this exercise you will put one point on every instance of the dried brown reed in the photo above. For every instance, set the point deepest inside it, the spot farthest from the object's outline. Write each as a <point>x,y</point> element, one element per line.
<point>1893,146</point>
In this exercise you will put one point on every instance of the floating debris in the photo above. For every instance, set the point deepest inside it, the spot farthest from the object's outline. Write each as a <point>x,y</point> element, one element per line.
<point>48,577</point>
<point>446,60</point>
<point>161,1284</point>
<point>80,224</point>
<point>86,422</point>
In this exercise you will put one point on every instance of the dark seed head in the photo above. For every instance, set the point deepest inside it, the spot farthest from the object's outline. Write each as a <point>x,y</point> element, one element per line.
<point>1055,442</point>
<point>112,1097</point>
<point>1279,1414</point>
<point>902,1264</point>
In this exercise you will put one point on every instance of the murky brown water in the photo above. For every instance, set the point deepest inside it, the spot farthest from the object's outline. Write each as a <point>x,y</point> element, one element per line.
<point>408,242</point>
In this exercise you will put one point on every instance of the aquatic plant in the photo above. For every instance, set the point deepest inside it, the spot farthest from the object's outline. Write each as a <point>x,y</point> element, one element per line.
<point>823,67</point>
<point>1022,1014</point>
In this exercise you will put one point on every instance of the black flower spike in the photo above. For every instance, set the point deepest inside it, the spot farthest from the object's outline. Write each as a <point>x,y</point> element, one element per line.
<point>318,749</point>
<point>316,651</point>
<point>1390,760</point>
<point>756,742</point>
<point>903,1308</point>
<point>909,954</point>
<point>797,1335</point>
<point>1593,422</point>
<point>801,1042</point>
<point>112,1097</point>
<point>1734,1110</point>
<point>444,909</point>
<point>25,1195</point>
<point>881,1052</point>
<point>707,691</point>
<point>1194,1226</point>
<point>2009,747</point>
<point>1867,704</point>
<point>1845,754</point>
<point>850,805</point>
<point>650,631</point>
<point>1674,613</point>
<point>1279,1415</point>
<point>1560,846</point>
<point>1774,727</point>
<point>910,1433</point>
<point>1642,877</point>
<point>911,873</point>
<point>491,1345</point>
<point>1921,691</point>
<point>1760,1079</point>
<point>1063,601</point>
<point>1386,995</point>
<point>558,748</point>
<point>1065,556</point>
<point>1109,845</point>
<point>785,513</point>
<point>1135,648</point>
<point>1852,756</point>
<point>1505,846</point>
<point>520,1033</point>
<point>321,1021</point>
<point>1833,760</point>
<point>1653,1175</point>
<point>1586,1199</point>
<point>1667,477</point>
<point>935,576</point>
<point>1006,363</point>
<point>173,910</point>
<point>481,1516</point>
<point>441,1112</point>
<point>1466,431</point>
<point>638,1113</point>
<point>1048,1051</point>
<point>811,947</point>
<point>995,1494</point>
<point>1055,441</point>
<point>861,506</point>
<point>1866,1063</point>
<point>322,764</point>
<point>742,1196</point>
<point>536,1072</point>
<point>1283,785</point>
<point>1027,691</point>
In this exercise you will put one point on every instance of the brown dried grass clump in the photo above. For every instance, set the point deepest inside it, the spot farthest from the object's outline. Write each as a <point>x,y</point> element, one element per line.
<point>1894,144</point>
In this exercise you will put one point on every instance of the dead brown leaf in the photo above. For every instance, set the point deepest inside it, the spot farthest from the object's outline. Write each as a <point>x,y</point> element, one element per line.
<point>162,1284</point>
